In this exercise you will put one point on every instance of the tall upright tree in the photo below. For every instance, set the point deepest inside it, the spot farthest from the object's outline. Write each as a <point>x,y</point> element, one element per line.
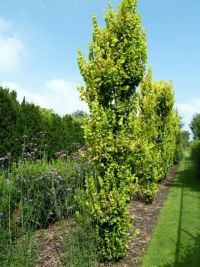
<point>115,67</point>
<point>155,132</point>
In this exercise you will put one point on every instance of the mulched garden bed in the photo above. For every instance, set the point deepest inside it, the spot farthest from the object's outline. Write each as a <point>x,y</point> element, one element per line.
<point>145,219</point>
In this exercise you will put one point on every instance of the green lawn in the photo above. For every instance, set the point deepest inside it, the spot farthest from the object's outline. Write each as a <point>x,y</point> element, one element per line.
<point>176,238</point>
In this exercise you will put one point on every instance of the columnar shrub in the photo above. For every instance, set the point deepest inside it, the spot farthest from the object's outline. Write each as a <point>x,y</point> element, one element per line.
<point>115,67</point>
<point>195,152</point>
<point>195,148</point>
<point>168,124</point>
<point>154,135</point>
<point>145,153</point>
<point>195,126</point>
<point>181,141</point>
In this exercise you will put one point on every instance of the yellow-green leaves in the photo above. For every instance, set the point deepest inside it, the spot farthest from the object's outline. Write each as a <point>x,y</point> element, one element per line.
<point>155,134</point>
<point>117,55</point>
<point>115,67</point>
<point>131,136</point>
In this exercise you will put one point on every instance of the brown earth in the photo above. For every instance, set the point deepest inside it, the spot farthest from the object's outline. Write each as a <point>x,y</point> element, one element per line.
<point>145,219</point>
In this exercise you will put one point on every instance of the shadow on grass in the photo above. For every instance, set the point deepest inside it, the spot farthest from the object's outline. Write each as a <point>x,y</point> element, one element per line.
<point>188,177</point>
<point>191,257</point>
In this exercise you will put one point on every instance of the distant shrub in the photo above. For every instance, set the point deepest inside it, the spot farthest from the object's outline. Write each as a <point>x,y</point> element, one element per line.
<point>178,154</point>
<point>195,152</point>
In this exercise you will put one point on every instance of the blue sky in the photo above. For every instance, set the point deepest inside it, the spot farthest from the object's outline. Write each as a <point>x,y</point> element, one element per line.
<point>39,41</point>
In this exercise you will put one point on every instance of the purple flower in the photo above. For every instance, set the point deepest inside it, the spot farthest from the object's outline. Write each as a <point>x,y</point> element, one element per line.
<point>53,190</point>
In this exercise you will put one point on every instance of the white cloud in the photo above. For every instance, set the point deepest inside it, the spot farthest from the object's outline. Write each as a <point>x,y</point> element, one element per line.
<point>21,93</point>
<point>62,96</point>
<point>58,94</point>
<point>187,110</point>
<point>12,50</point>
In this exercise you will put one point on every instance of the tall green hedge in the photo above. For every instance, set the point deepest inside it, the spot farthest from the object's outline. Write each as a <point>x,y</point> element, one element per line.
<point>25,126</point>
<point>9,127</point>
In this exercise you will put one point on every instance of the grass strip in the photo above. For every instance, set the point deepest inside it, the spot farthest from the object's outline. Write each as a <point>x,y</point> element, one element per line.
<point>176,237</point>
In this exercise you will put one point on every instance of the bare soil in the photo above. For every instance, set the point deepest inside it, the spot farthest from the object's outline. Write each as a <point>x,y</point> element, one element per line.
<point>146,217</point>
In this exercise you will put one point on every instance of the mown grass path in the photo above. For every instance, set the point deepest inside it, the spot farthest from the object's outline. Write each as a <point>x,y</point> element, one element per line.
<point>176,238</point>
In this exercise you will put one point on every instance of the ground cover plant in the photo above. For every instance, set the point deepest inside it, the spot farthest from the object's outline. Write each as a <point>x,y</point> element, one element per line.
<point>35,194</point>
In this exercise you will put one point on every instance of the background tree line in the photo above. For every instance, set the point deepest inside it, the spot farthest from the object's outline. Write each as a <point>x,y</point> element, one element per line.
<point>25,126</point>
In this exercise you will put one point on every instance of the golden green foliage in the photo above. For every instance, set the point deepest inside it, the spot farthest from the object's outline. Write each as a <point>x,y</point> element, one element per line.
<point>115,67</point>
<point>154,134</point>
<point>130,136</point>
